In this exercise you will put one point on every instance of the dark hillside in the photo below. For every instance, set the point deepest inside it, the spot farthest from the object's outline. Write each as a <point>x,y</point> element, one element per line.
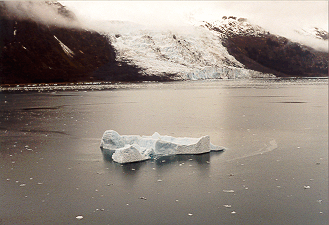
<point>278,55</point>
<point>259,50</point>
<point>33,52</point>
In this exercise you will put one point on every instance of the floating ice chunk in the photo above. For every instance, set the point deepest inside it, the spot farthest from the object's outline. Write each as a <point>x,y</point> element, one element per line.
<point>129,153</point>
<point>167,145</point>
<point>165,148</point>
<point>112,140</point>
<point>79,217</point>
<point>216,148</point>
<point>133,148</point>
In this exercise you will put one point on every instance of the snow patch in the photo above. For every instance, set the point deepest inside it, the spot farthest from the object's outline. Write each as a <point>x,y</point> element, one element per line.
<point>66,49</point>
<point>232,26</point>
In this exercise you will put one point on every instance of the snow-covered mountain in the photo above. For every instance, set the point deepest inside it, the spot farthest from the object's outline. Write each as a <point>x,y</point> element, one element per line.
<point>207,50</point>
<point>190,52</point>
<point>195,53</point>
<point>233,26</point>
<point>36,50</point>
<point>314,32</point>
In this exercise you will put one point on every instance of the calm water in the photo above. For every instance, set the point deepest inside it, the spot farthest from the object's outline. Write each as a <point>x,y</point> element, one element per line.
<point>274,171</point>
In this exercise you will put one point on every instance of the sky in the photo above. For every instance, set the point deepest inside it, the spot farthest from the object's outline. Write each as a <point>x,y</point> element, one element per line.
<point>276,15</point>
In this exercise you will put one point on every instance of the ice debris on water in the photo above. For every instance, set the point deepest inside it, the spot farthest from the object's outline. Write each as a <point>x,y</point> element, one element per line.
<point>307,187</point>
<point>79,217</point>
<point>134,148</point>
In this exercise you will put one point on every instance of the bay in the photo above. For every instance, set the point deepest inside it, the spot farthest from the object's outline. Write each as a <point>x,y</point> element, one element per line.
<point>274,169</point>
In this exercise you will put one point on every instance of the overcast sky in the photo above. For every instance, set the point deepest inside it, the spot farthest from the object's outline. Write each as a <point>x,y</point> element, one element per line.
<point>274,14</point>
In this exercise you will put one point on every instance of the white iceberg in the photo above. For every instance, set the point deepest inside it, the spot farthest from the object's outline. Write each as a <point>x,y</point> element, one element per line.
<point>134,148</point>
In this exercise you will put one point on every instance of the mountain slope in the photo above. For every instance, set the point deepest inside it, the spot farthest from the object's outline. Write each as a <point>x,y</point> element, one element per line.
<point>184,53</point>
<point>35,52</point>
<point>55,48</point>
<point>227,48</point>
<point>259,50</point>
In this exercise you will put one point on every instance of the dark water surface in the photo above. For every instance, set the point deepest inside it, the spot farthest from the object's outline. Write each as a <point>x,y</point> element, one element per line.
<point>274,171</point>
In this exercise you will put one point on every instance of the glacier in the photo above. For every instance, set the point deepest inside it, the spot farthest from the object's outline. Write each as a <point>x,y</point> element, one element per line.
<point>191,52</point>
<point>135,148</point>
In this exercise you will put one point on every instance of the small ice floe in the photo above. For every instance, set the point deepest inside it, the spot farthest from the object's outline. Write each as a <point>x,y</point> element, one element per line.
<point>307,187</point>
<point>190,214</point>
<point>228,191</point>
<point>233,212</point>
<point>79,217</point>
<point>143,198</point>
<point>227,206</point>
<point>22,185</point>
<point>134,148</point>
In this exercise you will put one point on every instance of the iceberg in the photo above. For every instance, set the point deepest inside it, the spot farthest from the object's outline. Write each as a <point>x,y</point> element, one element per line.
<point>135,148</point>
